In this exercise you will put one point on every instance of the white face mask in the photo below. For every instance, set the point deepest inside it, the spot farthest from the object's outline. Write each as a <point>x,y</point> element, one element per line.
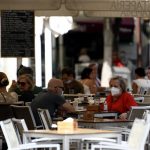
<point>115,91</point>
<point>68,81</point>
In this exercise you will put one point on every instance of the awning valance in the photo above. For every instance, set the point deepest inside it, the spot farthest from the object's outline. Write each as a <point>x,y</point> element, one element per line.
<point>116,14</point>
<point>111,8</point>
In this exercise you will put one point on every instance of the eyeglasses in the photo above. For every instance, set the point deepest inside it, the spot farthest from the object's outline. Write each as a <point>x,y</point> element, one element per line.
<point>113,86</point>
<point>21,83</point>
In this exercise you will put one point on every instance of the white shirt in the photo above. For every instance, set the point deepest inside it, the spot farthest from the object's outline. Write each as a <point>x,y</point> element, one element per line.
<point>143,85</point>
<point>84,58</point>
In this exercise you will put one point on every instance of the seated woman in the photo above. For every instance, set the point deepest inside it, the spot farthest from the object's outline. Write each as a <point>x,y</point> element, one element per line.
<point>5,96</point>
<point>119,99</point>
<point>26,85</point>
<point>88,84</point>
<point>23,70</point>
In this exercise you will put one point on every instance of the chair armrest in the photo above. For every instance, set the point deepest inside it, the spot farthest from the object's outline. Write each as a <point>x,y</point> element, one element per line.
<point>100,139</point>
<point>41,139</point>
<point>39,127</point>
<point>44,139</point>
<point>123,143</point>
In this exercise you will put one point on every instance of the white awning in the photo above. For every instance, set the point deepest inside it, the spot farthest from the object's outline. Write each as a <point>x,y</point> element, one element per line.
<point>30,4</point>
<point>108,5</point>
<point>62,11</point>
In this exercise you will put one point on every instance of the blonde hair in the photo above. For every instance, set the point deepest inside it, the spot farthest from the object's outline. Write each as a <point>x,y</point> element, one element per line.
<point>121,82</point>
<point>29,80</point>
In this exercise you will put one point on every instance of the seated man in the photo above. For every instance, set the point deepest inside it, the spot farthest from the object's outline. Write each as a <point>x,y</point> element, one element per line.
<point>71,86</point>
<point>140,85</point>
<point>51,100</point>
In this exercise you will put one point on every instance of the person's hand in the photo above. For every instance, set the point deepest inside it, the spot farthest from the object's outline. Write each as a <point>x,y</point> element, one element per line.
<point>123,116</point>
<point>14,83</point>
<point>13,86</point>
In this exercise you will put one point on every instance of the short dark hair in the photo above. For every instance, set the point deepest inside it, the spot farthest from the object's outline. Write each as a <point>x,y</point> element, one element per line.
<point>140,71</point>
<point>68,71</point>
<point>86,73</point>
<point>24,70</point>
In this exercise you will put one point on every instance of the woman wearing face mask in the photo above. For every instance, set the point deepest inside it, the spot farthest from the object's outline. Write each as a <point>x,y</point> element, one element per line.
<point>119,99</point>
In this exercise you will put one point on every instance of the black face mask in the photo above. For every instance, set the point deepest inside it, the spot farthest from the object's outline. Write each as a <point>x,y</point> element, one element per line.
<point>68,81</point>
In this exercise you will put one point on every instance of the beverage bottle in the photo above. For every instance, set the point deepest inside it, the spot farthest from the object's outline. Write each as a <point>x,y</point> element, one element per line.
<point>75,104</point>
<point>105,106</point>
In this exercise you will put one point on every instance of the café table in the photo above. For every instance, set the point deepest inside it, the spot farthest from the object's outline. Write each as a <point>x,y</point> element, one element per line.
<point>78,95</point>
<point>100,123</point>
<point>67,135</point>
<point>105,114</point>
<point>79,114</point>
<point>100,114</point>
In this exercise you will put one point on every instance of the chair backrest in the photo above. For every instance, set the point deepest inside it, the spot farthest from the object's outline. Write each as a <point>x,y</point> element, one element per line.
<point>143,104</point>
<point>5,110</point>
<point>143,90</point>
<point>139,99</point>
<point>9,133</point>
<point>24,112</point>
<point>147,99</point>
<point>45,118</point>
<point>137,112</point>
<point>20,126</point>
<point>138,134</point>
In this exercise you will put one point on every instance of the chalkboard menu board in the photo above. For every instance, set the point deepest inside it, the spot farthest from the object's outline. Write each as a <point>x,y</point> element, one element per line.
<point>17,33</point>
